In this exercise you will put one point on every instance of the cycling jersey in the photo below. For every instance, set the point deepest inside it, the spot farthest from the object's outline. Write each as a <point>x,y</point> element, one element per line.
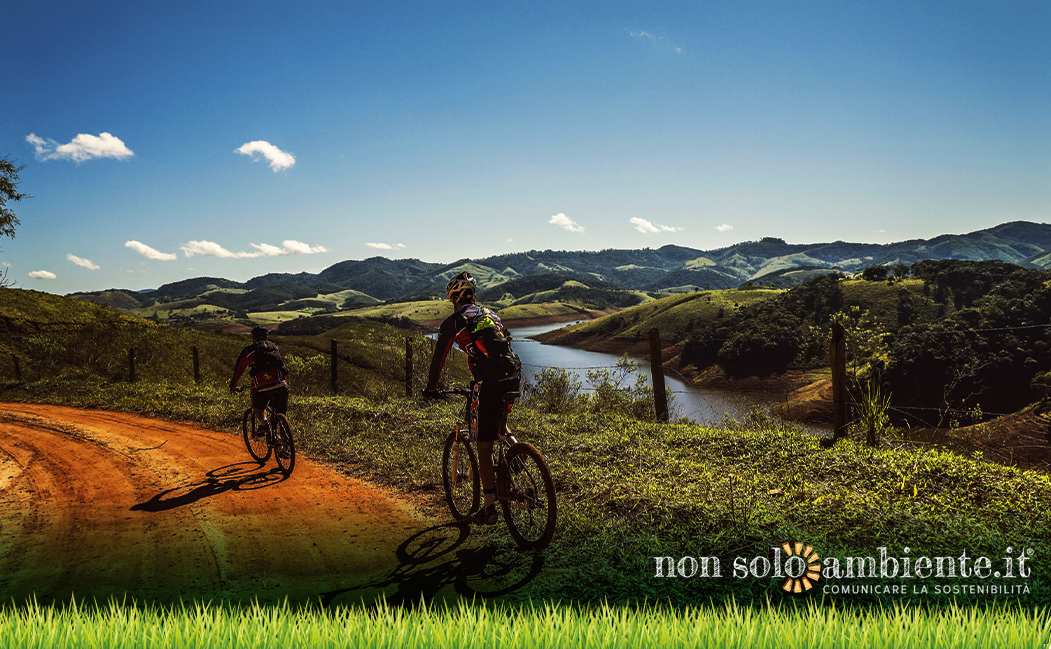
<point>262,379</point>
<point>492,407</point>
<point>452,330</point>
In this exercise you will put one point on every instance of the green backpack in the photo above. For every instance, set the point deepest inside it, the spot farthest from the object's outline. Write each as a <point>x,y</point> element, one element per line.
<point>493,360</point>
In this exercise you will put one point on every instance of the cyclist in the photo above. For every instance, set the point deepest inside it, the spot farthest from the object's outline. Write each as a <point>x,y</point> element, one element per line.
<point>269,376</point>
<point>493,402</point>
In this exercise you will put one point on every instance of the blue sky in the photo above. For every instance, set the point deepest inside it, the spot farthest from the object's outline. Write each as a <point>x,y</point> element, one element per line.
<point>235,139</point>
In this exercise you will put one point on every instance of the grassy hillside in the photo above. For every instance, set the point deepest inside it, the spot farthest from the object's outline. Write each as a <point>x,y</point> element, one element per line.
<point>678,316</point>
<point>53,336</point>
<point>675,316</point>
<point>25,311</point>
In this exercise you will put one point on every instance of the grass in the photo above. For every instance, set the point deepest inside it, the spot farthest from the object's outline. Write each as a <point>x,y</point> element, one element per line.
<point>27,310</point>
<point>675,316</point>
<point>421,311</point>
<point>881,299</point>
<point>630,491</point>
<point>550,625</point>
<point>371,355</point>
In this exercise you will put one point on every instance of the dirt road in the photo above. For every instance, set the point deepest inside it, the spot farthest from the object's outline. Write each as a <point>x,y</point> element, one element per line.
<point>98,504</point>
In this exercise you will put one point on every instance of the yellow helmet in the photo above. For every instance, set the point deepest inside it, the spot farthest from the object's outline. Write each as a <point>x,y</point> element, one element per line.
<point>461,287</point>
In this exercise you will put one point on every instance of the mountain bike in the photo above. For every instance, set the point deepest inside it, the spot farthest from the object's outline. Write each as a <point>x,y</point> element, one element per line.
<point>273,440</point>
<point>524,487</point>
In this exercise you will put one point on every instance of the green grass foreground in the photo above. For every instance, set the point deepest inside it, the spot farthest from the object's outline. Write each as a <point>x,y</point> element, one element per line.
<point>206,626</point>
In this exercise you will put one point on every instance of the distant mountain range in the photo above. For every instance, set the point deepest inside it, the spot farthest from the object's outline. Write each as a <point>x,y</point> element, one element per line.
<point>669,268</point>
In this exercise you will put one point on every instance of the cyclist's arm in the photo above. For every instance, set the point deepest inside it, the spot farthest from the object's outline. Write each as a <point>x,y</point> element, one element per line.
<point>243,361</point>
<point>446,336</point>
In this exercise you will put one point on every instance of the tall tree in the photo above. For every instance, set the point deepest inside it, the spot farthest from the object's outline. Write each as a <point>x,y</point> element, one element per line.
<point>9,181</point>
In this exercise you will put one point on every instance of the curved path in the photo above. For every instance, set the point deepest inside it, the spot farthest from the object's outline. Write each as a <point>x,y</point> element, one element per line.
<point>96,504</point>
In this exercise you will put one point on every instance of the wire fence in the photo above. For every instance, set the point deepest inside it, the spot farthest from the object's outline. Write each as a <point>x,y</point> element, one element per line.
<point>127,353</point>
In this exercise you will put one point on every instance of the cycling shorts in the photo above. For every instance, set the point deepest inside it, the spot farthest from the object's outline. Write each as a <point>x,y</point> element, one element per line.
<point>492,415</point>
<point>277,397</point>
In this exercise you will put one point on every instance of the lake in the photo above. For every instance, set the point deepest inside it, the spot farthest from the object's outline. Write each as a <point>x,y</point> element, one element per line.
<point>700,405</point>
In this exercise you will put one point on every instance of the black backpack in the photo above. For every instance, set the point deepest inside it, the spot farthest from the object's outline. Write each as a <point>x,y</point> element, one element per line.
<point>267,357</point>
<point>490,349</point>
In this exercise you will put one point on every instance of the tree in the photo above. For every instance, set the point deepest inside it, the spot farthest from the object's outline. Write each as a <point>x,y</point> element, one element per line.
<point>9,181</point>
<point>8,192</point>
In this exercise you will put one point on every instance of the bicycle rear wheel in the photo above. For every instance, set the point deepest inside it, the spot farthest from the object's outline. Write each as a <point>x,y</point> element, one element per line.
<point>284,447</point>
<point>257,445</point>
<point>527,497</point>
<point>460,476</point>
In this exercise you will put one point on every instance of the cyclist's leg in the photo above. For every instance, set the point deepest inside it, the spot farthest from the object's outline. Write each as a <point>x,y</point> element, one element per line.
<point>279,400</point>
<point>259,401</point>
<point>492,417</point>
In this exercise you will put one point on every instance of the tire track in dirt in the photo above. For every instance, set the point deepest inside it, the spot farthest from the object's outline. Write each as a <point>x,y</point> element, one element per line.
<point>98,504</point>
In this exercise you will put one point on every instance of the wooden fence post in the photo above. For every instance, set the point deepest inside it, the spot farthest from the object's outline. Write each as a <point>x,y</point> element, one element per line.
<point>335,364</point>
<point>196,366</point>
<point>838,361</point>
<point>18,368</point>
<point>408,368</point>
<point>660,396</point>
<point>131,364</point>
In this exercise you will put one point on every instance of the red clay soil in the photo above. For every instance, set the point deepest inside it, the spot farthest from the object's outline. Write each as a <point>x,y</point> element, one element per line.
<point>98,504</point>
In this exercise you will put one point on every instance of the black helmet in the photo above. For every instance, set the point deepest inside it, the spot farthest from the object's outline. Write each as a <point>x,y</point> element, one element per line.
<point>461,287</point>
<point>259,332</point>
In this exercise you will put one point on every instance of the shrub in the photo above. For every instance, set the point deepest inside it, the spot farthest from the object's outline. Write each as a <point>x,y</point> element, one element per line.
<point>552,390</point>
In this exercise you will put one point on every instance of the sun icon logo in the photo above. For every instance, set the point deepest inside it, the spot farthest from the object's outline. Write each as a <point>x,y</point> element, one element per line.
<point>803,567</point>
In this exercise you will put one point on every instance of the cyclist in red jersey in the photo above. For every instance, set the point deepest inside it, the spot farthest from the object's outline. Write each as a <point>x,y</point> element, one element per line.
<point>493,407</point>
<point>269,376</point>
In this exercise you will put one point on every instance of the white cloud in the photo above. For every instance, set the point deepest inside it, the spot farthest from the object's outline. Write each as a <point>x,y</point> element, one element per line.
<point>212,249</point>
<point>386,246</point>
<point>149,252</point>
<point>644,226</point>
<point>566,223</point>
<point>279,160</point>
<point>82,147</point>
<point>43,274</point>
<point>657,41</point>
<point>724,227</point>
<point>5,264</point>
<point>80,261</point>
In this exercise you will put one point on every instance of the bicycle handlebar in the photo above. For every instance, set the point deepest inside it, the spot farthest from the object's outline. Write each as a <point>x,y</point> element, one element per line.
<point>445,394</point>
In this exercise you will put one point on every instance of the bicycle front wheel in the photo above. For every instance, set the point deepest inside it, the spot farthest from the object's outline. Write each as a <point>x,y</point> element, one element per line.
<point>527,497</point>
<point>284,447</point>
<point>460,476</point>
<point>257,444</point>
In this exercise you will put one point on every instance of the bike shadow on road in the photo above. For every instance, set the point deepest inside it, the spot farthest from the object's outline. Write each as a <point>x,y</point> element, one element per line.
<point>439,558</point>
<point>241,476</point>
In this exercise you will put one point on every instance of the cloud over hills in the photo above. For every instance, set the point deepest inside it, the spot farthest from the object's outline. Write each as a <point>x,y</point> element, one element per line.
<point>212,249</point>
